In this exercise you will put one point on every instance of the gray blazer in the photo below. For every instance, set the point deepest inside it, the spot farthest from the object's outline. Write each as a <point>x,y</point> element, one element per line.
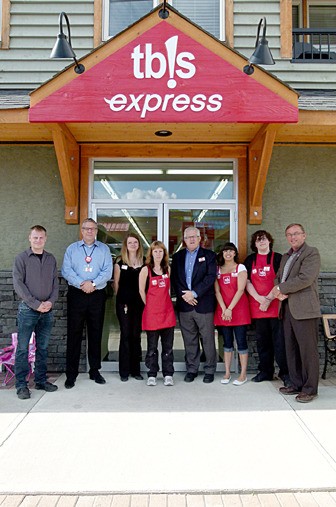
<point>301,283</point>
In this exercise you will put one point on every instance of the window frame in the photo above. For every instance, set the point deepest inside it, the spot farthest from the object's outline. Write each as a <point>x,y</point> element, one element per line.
<point>225,8</point>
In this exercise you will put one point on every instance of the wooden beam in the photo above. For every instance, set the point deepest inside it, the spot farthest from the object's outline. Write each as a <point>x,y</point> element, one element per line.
<point>259,157</point>
<point>97,23</point>
<point>68,157</point>
<point>286,28</point>
<point>229,35</point>
<point>5,24</point>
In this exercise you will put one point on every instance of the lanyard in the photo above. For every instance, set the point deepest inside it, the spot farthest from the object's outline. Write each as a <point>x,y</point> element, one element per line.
<point>88,258</point>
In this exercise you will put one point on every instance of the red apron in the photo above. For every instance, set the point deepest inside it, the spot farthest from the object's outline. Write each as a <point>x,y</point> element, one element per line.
<point>262,279</point>
<point>159,311</point>
<point>228,286</point>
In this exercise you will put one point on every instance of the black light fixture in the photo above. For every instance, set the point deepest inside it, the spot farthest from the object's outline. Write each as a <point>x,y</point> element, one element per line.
<point>63,48</point>
<point>164,13</point>
<point>262,54</point>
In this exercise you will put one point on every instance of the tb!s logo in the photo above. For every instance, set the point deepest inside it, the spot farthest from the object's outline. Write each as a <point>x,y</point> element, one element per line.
<point>179,64</point>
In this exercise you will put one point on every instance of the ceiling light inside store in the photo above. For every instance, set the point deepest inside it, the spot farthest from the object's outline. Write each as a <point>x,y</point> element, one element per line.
<point>128,171</point>
<point>202,172</point>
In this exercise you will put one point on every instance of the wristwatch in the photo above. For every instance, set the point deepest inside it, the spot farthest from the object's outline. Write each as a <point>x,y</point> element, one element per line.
<point>93,284</point>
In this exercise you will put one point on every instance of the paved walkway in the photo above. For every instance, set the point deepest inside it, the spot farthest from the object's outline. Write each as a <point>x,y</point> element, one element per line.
<point>191,445</point>
<point>303,499</point>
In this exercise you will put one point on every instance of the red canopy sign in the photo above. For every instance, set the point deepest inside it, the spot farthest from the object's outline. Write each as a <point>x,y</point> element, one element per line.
<point>163,76</point>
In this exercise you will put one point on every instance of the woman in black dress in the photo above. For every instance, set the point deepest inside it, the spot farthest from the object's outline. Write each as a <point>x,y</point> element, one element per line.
<point>129,306</point>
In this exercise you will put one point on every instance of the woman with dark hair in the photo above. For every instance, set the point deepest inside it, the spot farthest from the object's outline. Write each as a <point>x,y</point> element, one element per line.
<point>158,318</point>
<point>232,313</point>
<point>262,266</point>
<point>129,306</point>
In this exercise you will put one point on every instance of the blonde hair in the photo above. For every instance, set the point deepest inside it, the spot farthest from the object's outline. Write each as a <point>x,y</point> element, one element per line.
<point>165,259</point>
<point>124,251</point>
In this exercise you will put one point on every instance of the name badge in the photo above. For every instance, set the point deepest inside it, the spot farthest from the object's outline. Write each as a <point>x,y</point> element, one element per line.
<point>165,276</point>
<point>234,275</point>
<point>124,266</point>
<point>267,268</point>
<point>88,269</point>
<point>254,271</point>
<point>201,259</point>
<point>226,279</point>
<point>154,282</point>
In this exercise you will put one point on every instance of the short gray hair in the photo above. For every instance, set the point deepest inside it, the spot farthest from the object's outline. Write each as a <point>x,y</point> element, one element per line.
<point>198,232</point>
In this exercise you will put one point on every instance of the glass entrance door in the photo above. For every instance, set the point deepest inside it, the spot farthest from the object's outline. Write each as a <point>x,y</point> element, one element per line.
<point>165,221</point>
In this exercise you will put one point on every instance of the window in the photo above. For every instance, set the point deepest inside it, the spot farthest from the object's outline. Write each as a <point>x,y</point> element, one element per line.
<point>119,14</point>
<point>314,30</point>
<point>322,15</point>
<point>296,14</point>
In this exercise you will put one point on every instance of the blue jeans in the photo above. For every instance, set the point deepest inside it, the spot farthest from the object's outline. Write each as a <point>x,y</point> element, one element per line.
<point>30,320</point>
<point>240,335</point>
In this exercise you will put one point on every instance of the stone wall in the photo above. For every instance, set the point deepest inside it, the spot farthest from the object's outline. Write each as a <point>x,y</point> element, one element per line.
<point>57,347</point>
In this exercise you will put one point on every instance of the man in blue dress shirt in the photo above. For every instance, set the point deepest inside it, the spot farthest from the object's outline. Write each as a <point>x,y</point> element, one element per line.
<point>87,267</point>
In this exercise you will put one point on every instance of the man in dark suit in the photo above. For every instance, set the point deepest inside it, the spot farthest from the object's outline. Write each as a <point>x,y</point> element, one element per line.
<point>300,309</point>
<point>193,277</point>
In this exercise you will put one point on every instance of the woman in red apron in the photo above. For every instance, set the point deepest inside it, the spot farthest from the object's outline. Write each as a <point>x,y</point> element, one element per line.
<point>232,314</point>
<point>158,318</point>
<point>262,267</point>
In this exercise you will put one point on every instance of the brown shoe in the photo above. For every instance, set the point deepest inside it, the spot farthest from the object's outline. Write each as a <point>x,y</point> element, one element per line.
<point>305,398</point>
<point>288,390</point>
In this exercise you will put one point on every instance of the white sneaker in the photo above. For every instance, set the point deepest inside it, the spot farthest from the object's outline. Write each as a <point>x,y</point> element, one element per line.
<point>151,381</point>
<point>239,382</point>
<point>168,381</point>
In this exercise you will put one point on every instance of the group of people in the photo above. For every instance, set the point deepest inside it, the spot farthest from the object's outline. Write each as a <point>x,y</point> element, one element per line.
<point>212,291</point>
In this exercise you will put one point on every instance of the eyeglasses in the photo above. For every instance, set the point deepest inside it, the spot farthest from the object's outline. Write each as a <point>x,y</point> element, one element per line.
<point>262,238</point>
<point>191,237</point>
<point>89,229</point>
<point>293,235</point>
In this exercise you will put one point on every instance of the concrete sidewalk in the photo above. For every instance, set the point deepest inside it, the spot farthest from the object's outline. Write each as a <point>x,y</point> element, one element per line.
<point>128,438</point>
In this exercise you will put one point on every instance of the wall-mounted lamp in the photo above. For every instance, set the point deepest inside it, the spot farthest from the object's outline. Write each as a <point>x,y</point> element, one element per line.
<point>262,54</point>
<point>164,13</point>
<point>63,48</point>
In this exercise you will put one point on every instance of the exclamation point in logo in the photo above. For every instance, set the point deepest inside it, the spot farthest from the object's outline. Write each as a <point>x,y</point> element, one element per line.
<point>171,46</point>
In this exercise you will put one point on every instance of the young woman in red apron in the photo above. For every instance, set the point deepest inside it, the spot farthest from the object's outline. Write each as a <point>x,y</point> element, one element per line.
<point>262,267</point>
<point>158,318</point>
<point>232,314</point>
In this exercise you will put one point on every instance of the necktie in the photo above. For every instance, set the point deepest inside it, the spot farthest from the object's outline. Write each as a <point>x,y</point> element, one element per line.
<point>287,266</point>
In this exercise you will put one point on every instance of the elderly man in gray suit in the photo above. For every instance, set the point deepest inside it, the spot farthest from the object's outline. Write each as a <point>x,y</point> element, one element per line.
<point>300,310</point>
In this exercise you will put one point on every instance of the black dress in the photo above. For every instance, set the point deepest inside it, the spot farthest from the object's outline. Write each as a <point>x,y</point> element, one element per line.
<point>129,308</point>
